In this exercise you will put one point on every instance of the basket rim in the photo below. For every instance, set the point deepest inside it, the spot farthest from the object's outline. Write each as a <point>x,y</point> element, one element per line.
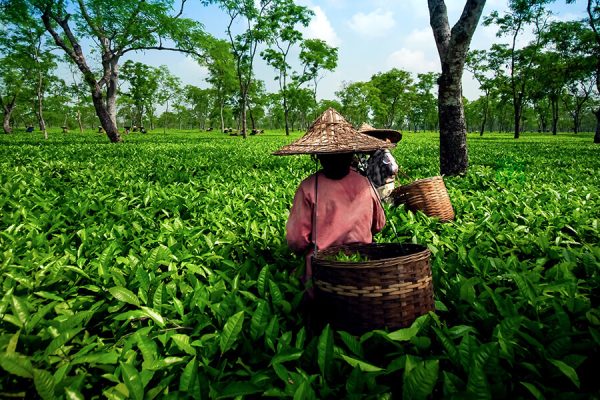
<point>423,180</point>
<point>421,251</point>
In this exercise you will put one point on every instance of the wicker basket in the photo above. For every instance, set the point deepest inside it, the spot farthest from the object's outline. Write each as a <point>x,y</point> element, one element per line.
<point>390,290</point>
<point>428,195</point>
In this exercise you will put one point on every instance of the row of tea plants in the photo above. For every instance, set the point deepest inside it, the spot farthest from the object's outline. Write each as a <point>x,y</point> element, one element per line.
<point>158,268</point>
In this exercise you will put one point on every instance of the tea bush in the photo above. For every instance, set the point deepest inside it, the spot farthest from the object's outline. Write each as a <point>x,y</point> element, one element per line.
<point>157,268</point>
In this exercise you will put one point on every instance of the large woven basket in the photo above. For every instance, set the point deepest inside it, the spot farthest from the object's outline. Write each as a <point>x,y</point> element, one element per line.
<point>390,290</point>
<point>428,195</point>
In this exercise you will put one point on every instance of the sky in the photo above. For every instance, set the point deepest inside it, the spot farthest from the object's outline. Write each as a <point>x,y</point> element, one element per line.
<point>372,36</point>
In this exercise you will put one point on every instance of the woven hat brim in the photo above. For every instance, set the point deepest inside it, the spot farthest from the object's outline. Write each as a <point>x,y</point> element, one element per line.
<point>393,135</point>
<point>332,134</point>
<point>296,149</point>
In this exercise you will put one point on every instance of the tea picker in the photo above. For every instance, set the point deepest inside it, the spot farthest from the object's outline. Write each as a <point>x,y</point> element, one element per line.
<point>380,167</point>
<point>337,209</point>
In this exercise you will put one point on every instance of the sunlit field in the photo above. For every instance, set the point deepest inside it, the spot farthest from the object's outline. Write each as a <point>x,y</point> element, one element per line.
<point>158,268</point>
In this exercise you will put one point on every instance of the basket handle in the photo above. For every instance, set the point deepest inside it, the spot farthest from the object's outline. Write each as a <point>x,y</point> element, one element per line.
<point>314,213</point>
<point>404,174</point>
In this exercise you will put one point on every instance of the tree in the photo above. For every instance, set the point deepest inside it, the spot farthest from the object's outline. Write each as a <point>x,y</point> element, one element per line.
<point>422,112</point>
<point>395,90</point>
<point>476,63</point>
<point>577,94</point>
<point>452,47</point>
<point>222,74</point>
<point>257,99</point>
<point>117,27</point>
<point>244,45</point>
<point>302,104</point>
<point>593,20</point>
<point>169,87</point>
<point>316,56</point>
<point>27,53</point>
<point>358,101</point>
<point>521,61</point>
<point>12,77</point>
<point>199,103</point>
<point>143,85</point>
<point>284,20</point>
<point>77,89</point>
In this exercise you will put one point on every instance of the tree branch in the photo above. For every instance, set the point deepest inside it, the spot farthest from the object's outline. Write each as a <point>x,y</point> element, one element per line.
<point>462,31</point>
<point>438,20</point>
<point>75,53</point>
<point>97,31</point>
<point>122,50</point>
<point>161,47</point>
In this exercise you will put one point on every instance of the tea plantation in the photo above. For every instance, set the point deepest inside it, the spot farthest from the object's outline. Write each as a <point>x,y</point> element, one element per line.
<point>158,268</point>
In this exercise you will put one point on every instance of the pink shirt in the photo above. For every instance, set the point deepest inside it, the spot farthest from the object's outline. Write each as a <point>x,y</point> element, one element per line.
<point>348,211</point>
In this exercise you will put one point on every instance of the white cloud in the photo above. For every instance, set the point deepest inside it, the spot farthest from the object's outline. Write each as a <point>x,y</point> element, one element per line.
<point>421,39</point>
<point>375,24</point>
<point>412,61</point>
<point>320,28</point>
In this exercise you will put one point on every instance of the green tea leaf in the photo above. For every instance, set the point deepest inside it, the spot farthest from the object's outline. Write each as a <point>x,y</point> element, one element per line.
<point>287,355</point>
<point>73,394</point>
<point>364,366</point>
<point>263,278</point>
<point>20,309</point>
<point>406,334</point>
<point>125,295</point>
<point>133,381</point>
<point>260,319</point>
<point>183,342</point>
<point>17,364</point>
<point>533,390</point>
<point>325,352</point>
<point>420,377</point>
<point>12,343</point>
<point>44,384</point>
<point>231,331</point>
<point>567,370</point>
<point>238,388</point>
<point>188,378</point>
<point>154,315</point>
<point>97,358</point>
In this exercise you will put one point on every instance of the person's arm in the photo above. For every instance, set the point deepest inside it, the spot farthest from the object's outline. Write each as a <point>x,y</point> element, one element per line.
<point>299,223</point>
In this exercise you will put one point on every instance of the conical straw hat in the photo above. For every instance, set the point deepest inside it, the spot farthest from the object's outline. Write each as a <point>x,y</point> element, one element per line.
<point>393,135</point>
<point>330,134</point>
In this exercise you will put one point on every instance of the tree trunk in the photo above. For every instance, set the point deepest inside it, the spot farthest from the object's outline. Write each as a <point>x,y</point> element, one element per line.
<point>252,122</point>
<point>221,107</point>
<point>454,159</point>
<point>453,46</point>
<point>79,121</point>
<point>112,89</point>
<point>6,123</point>
<point>597,135</point>
<point>243,117</point>
<point>6,120</point>
<point>485,114</point>
<point>40,107</point>
<point>166,116</point>
<point>286,115</point>
<point>554,115</point>
<point>110,127</point>
<point>517,107</point>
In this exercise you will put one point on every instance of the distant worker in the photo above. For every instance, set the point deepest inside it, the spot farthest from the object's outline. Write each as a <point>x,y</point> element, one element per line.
<point>381,167</point>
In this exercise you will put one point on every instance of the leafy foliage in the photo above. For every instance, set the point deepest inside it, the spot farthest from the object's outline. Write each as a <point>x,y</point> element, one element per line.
<point>158,268</point>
